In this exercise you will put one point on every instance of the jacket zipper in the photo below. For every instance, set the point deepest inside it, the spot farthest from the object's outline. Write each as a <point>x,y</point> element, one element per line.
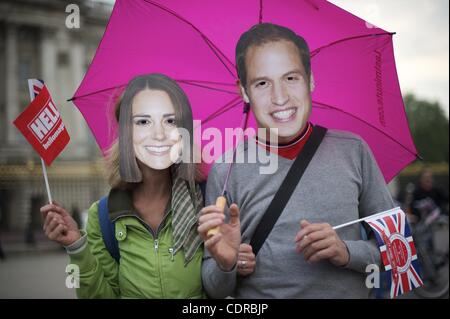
<point>158,261</point>
<point>158,265</point>
<point>155,246</point>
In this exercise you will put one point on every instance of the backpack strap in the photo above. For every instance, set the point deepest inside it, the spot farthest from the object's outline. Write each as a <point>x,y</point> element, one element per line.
<point>108,229</point>
<point>203,190</point>
<point>286,189</point>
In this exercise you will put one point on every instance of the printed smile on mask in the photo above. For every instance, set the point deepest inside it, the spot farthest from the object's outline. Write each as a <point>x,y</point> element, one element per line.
<point>158,150</point>
<point>284,115</point>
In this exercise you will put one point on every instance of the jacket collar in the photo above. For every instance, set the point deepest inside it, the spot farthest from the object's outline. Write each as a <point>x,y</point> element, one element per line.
<point>184,209</point>
<point>120,204</point>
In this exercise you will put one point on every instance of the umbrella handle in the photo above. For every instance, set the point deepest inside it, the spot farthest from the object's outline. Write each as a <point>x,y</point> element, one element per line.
<point>221,201</point>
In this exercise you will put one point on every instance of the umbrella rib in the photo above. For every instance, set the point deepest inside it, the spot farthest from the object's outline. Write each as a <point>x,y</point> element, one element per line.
<point>203,36</point>
<point>316,51</point>
<point>220,109</point>
<point>261,8</point>
<point>95,92</point>
<point>228,106</point>
<point>213,49</point>
<point>189,82</point>
<point>312,4</point>
<point>218,52</point>
<point>211,117</point>
<point>210,82</point>
<point>365,122</point>
<point>260,11</point>
<point>205,87</point>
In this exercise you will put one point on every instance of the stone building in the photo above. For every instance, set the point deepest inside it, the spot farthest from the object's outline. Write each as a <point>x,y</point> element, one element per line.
<point>36,42</point>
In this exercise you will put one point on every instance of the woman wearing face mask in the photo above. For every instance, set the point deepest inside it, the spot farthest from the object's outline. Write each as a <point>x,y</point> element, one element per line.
<point>153,203</point>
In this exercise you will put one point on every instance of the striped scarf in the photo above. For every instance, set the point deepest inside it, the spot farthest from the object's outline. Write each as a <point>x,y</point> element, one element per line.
<point>184,218</point>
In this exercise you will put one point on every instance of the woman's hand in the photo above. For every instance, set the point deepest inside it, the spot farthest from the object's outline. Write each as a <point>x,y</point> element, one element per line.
<point>246,260</point>
<point>59,226</point>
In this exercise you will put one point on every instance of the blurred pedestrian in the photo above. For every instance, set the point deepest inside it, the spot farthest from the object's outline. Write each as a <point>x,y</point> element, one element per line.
<point>427,199</point>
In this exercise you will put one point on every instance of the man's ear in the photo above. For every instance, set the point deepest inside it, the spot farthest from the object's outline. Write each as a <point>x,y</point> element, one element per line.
<point>244,95</point>
<point>312,84</point>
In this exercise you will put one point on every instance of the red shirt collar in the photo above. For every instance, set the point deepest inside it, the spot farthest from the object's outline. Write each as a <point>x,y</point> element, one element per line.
<point>292,149</point>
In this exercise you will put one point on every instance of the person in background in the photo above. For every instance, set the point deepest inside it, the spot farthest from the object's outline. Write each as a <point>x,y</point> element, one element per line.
<point>427,199</point>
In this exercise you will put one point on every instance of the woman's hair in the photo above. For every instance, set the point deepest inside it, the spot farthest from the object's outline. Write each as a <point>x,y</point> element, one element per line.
<point>122,168</point>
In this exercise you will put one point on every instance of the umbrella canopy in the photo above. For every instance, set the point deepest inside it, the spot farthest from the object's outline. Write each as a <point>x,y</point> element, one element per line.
<point>353,63</point>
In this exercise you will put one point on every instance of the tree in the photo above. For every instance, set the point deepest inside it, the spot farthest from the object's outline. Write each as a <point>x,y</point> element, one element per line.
<point>429,128</point>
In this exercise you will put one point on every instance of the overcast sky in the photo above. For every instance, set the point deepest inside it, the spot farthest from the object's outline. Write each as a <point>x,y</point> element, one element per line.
<point>421,43</point>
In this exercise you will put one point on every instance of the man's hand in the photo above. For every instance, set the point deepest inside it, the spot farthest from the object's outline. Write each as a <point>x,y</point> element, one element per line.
<point>59,226</point>
<point>246,260</point>
<point>319,242</point>
<point>223,246</point>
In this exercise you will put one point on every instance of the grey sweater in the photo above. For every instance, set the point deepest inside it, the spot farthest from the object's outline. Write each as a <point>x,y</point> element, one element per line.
<point>342,183</point>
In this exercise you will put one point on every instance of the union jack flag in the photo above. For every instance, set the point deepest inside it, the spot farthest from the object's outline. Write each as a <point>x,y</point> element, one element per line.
<point>398,252</point>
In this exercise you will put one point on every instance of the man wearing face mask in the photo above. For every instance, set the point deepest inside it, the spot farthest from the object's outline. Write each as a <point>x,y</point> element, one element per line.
<point>302,256</point>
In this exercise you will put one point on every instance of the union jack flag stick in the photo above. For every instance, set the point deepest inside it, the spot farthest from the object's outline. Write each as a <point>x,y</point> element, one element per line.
<point>363,219</point>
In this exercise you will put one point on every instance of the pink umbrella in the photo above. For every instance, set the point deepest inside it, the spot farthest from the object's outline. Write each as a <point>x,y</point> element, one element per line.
<point>193,42</point>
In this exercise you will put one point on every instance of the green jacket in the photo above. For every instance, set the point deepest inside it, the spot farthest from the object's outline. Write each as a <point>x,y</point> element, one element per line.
<point>147,269</point>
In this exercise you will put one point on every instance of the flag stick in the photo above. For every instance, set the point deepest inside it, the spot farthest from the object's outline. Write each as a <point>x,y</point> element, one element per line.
<point>44,169</point>
<point>363,219</point>
<point>47,186</point>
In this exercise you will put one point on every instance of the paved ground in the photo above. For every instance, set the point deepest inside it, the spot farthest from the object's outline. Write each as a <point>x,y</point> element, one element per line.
<point>38,271</point>
<point>35,275</point>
